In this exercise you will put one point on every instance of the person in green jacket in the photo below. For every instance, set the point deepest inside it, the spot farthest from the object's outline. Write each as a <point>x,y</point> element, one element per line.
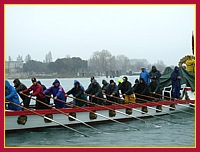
<point>78,92</point>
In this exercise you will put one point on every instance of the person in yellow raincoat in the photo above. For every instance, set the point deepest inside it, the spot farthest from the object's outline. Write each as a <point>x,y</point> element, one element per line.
<point>190,63</point>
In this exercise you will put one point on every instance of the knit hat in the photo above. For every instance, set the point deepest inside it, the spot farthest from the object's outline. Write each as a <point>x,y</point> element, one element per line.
<point>111,81</point>
<point>137,81</point>
<point>33,79</point>
<point>16,81</point>
<point>125,78</point>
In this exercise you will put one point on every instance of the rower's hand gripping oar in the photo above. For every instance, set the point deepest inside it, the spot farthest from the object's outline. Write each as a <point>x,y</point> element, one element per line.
<point>152,107</point>
<point>103,115</point>
<point>61,112</point>
<point>140,110</point>
<point>90,110</point>
<point>75,106</point>
<point>49,119</point>
<point>155,125</point>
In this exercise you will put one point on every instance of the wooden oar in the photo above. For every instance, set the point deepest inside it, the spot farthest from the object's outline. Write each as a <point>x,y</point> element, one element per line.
<point>91,110</point>
<point>132,116</point>
<point>147,101</point>
<point>62,112</point>
<point>176,109</point>
<point>135,108</point>
<point>157,103</point>
<point>158,98</point>
<point>152,107</point>
<point>174,102</point>
<point>48,118</point>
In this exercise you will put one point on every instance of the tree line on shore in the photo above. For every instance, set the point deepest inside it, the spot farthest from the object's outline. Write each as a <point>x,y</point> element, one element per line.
<point>100,63</point>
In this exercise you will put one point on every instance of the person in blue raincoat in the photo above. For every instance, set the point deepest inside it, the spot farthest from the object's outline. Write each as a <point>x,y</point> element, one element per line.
<point>145,75</point>
<point>58,93</point>
<point>11,95</point>
<point>176,83</point>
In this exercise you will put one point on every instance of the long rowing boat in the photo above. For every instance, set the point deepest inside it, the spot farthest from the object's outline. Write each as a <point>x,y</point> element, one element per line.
<point>26,119</point>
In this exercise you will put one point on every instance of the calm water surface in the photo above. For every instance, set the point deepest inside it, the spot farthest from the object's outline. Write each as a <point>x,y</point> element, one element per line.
<point>181,133</point>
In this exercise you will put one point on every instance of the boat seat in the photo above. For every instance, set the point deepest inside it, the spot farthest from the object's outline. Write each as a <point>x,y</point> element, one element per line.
<point>167,90</point>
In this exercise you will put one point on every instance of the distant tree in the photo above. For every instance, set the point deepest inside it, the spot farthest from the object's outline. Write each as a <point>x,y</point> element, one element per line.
<point>68,65</point>
<point>27,58</point>
<point>100,61</point>
<point>122,63</point>
<point>48,57</point>
<point>35,66</point>
<point>112,63</point>
<point>67,56</point>
<point>9,58</point>
<point>160,65</point>
<point>136,64</point>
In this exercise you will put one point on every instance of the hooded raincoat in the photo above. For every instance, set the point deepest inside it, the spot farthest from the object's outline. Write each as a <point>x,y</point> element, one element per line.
<point>154,73</point>
<point>11,95</point>
<point>145,75</point>
<point>78,92</point>
<point>57,92</point>
<point>176,82</point>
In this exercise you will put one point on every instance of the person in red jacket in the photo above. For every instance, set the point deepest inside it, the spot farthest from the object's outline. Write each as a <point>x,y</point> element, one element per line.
<point>37,91</point>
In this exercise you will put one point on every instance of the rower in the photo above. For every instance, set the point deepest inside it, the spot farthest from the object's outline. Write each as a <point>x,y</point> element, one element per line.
<point>20,87</point>
<point>94,89</point>
<point>142,91</point>
<point>127,91</point>
<point>58,93</point>
<point>112,90</point>
<point>154,89</point>
<point>78,92</point>
<point>11,95</point>
<point>37,91</point>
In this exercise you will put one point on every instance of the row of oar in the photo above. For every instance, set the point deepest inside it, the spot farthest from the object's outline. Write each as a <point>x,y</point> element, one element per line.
<point>58,110</point>
<point>163,96</point>
<point>172,101</point>
<point>158,99</point>
<point>57,122</point>
<point>86,109</point>
<point>143,105</point>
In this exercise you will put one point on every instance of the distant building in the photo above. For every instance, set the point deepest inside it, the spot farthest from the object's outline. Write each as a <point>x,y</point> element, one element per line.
<point>14,66</point>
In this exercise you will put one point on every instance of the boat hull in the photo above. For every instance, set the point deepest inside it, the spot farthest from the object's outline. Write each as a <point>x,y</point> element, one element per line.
<point>20,120</point>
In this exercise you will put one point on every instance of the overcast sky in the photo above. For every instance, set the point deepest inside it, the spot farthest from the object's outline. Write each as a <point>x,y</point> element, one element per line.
<point>153,32</point>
